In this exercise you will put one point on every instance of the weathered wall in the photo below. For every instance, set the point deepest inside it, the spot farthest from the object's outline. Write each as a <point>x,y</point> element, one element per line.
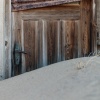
<point>2,30</point>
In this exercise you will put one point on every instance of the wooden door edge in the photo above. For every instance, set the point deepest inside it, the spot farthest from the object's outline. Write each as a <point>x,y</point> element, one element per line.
<point>7,37</point>
<point>94,27</point>
<point>92,24</point>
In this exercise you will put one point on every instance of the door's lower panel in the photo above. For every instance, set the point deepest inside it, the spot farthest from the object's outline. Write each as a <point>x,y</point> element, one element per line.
<point>50,41</point>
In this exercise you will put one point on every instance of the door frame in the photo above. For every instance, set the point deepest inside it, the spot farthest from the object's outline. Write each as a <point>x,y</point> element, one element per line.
<point>8,51</point>
<point>5,37</point>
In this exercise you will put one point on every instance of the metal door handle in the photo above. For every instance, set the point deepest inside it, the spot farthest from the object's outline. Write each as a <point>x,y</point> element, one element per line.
<point>19,51</point>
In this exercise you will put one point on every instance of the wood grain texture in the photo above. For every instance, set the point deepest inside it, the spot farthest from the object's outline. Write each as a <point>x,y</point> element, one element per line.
<point>18,5</point>
<point>51,35</point>
<point>70,39</point>
<point>95,26</point>
<point>8,39</point>
<point>85,26</point>
<point>25,1</point>
<point>30,44</point>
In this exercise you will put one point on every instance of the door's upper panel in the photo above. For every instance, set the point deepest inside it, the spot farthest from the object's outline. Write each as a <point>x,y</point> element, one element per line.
<point>29,4</point>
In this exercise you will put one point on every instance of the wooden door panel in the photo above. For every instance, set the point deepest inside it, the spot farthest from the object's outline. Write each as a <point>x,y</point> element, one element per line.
<point>42,42</point>
<point>48,36</point>
<point>67,41</point>
<point>53,41</point>
<point>31,44</point>
<point>70,39</point>
<point>50,41</point>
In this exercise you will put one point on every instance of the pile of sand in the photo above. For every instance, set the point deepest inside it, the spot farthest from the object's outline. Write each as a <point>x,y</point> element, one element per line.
<point>77,79</point>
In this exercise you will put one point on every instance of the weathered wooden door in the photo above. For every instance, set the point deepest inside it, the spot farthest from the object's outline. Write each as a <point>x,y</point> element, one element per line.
<point>48,35</point>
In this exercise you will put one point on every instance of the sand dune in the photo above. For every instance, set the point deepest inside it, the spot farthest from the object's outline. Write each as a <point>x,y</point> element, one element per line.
<point>77,79</point>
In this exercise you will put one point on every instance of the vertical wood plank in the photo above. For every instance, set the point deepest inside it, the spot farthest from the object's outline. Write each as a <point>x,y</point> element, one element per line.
<point>44,41</point>
<point>52,35</point>
<point>85,26</point>
<point>8,39</point>
<point>77,40</point>
<point>36,44</point>
<point>15,31</point>
<point>63,28</point>
<point>78,32</point>
<point>94,26</point>
<point>23,70</point>
<point>72,40</point>
<point>40,40</point>
<point>50,44</point>
<point>68,39</point>
<point>30,43</point>
<point>58,41</point>
<point>26,44</point>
